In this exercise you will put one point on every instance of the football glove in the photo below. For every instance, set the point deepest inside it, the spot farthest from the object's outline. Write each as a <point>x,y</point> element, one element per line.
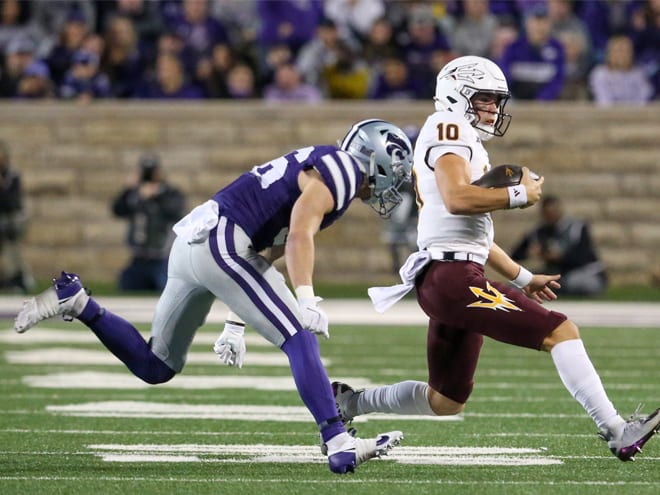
<point>314,318</point>
<point>230,346</point>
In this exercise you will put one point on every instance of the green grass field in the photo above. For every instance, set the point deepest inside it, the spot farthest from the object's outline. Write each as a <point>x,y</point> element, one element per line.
<point>75,421</point>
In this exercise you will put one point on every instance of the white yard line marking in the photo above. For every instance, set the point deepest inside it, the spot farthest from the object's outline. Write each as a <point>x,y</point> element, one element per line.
<point>149,458</point>
<point>252,432</point>
<point>137,409</point>
<point>263,453</point>
<point>126,381</point>
<point>259,449</point>
<point>73,356</point>
<point>45,335</point>
<point>108,380</point>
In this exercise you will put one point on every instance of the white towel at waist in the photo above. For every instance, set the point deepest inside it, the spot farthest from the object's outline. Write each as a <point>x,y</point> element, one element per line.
<point>385,297</point>
<point>196,225</point>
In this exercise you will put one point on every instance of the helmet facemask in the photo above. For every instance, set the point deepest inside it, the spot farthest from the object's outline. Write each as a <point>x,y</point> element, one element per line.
<point>502,119</point>
<point>383,201</point>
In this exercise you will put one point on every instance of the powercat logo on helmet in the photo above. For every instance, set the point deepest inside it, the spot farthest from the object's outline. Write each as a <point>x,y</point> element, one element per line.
<point>468,73</point>
<point>395,144</point>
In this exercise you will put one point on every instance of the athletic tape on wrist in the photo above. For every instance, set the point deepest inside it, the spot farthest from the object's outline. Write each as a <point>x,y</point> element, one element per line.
<point>517,196</point>
<point>304,291</point>
<point>523,279</point>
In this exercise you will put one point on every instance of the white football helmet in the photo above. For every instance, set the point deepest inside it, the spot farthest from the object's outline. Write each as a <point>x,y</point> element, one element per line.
<point>386,157</point>
<point>460,80</point>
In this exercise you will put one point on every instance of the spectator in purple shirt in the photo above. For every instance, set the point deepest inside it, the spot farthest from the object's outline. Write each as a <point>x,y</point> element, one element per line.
<point>395,83</point>
<point>169,42</point>
<point>71,38</point>
<point>534,64</point>
<point>170,82</point>
<point>292,22</point>
<point>84,82</point>
<point>645,35</point>
<point>289,86</point>
<point>199,32</point>
<point>35,82</point>
<point>241,82</point>
<point>618,80</point>
<point>19,53</point>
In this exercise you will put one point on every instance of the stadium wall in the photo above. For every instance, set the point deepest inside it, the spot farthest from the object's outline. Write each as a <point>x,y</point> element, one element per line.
<point>604,163</point>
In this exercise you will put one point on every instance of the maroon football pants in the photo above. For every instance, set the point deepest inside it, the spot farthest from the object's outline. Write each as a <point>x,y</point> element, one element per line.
<point>463,306</point>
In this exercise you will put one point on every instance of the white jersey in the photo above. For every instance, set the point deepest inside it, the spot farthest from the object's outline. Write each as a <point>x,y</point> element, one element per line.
<point>447,132</point>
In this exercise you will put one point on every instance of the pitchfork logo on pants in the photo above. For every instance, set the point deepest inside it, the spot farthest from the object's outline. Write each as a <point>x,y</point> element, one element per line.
<point>492,298</point>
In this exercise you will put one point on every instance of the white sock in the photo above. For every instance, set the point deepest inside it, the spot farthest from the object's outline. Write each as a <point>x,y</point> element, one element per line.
<point>343,441</point>
<point>582,381</point>
<point>409,397</point>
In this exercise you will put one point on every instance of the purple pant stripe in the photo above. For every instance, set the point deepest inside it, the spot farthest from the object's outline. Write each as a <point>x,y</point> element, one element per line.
<point>263,306</point>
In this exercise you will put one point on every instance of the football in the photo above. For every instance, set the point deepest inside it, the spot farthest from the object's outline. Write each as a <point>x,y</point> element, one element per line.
<point>503,176</point>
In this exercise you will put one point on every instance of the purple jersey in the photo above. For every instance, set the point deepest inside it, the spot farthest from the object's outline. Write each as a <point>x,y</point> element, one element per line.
<point>260,201</point>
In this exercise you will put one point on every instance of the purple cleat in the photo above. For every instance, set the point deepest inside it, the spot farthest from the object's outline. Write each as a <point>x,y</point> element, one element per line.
<point>632,437</point>
<point>66,297</point>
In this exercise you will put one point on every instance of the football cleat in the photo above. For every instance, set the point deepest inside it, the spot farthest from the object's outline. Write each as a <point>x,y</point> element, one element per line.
<point>66,297</point>
<point>346,400</point>
<point>632,437</point>
<point>356,451</point>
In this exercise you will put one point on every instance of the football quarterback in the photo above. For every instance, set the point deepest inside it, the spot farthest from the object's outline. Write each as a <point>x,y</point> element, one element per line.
<point>456,241</point>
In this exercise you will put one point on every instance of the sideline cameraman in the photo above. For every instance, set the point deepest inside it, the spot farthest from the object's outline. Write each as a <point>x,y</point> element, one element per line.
<point>151,206</point>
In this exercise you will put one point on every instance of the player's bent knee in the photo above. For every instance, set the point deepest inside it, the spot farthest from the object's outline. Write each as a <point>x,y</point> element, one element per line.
<point>152,370</point>
<point>566,331</point>
<point>444,406</point>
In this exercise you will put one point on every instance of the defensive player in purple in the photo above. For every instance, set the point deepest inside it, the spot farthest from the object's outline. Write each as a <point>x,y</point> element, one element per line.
<point>280,204</point>
<point>455,238</point>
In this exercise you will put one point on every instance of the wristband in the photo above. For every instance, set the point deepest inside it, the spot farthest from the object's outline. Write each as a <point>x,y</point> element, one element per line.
<point>304,291</point>
<point>233,318</point>
<point>523,279</point>
<point>517,196</point>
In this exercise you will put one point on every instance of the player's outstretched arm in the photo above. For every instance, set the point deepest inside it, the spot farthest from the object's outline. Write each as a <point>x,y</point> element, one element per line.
<point>539,287</point>
<point>307,214</point>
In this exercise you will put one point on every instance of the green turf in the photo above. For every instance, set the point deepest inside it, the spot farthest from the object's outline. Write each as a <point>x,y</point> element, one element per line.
<point>518,402</point>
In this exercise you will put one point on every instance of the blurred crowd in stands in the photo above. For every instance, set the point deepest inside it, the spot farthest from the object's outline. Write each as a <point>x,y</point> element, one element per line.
<point>606,51</point>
